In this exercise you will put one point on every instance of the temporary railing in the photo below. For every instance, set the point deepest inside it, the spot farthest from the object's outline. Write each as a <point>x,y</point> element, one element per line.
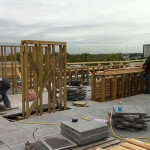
<point>10,67</point>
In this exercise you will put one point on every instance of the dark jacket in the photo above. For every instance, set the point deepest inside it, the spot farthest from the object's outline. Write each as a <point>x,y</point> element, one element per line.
<point>4,83</point>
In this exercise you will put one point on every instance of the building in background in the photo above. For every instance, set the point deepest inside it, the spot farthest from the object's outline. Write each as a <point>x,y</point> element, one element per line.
<point>146,50</point>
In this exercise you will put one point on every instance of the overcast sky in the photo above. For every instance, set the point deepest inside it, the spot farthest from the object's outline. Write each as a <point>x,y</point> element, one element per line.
<point>88,26</point>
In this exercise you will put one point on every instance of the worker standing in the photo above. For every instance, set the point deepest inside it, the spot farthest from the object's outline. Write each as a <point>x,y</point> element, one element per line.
<point>4,87</point>
<point>147,65</point>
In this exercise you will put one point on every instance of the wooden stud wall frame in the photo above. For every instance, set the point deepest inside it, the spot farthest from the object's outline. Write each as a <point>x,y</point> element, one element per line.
<point>10,65</point>
<point>117,83</point>
<point>39,63</point>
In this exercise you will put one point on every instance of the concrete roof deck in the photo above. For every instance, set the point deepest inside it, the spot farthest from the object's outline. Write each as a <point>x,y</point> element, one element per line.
<point>14,135</point>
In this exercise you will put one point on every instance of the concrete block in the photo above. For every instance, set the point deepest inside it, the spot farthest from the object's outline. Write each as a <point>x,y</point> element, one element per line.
<point>82,137</point>
<point>84,127</point>
<point>129,110</point>
<point>82,142</point>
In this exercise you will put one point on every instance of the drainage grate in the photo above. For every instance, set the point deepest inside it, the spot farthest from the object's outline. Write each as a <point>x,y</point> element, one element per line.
<point>57,142</point>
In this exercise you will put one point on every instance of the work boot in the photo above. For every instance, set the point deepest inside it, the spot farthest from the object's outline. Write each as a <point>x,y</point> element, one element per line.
<point>2,107</point>
<point>9,106</point>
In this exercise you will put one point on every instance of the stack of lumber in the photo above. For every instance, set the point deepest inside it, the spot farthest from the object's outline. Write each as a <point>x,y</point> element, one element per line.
<point>130,144</point>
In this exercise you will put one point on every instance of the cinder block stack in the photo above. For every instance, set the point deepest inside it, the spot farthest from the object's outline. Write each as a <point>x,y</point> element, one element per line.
<point>76,93</point>
<point>84,131</point>
<point>131,118</point>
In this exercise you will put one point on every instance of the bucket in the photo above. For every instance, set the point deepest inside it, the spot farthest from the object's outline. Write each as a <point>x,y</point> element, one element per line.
<point>31,95</point>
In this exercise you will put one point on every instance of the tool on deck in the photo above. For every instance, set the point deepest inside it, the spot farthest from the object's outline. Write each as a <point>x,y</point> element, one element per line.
<point>34,132</point>
<point>80,104</point>
<point>84,118</point>
<point>74,120</point>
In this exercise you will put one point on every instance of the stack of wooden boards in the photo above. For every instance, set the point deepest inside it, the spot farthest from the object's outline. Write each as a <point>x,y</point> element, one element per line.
<point>130,144</point>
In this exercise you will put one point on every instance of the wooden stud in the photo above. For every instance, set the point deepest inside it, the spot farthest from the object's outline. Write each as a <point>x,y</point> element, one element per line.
<point>40,77</point>
<point>15,69</point>
<point>53,77</point>
<point>49,80</point>
<point>87,76</point>
<point>35,74</point>
<point>22,80</point>
<point>103,86</point>
<point>65,81</point>
<point>26,80</point>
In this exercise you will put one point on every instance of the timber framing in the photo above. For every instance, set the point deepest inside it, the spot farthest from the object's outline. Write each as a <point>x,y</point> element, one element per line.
<point>37,76</point>
<point>117,83</point>
<point>10,68</point>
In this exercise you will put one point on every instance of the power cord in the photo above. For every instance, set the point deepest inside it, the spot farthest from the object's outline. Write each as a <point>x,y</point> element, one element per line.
<point>110,122</point>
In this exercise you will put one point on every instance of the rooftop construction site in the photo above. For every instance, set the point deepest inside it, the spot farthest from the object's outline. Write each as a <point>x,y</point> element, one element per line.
<point>58,105</point>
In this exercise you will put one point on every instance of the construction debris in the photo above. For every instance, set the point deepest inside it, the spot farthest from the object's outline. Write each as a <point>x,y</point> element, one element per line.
<point>80,104</point>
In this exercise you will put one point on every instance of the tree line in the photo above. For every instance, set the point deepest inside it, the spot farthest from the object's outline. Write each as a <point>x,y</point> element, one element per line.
<point>85,57</point>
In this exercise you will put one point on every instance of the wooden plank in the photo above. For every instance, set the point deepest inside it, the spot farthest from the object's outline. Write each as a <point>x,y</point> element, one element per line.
<point>82,76</point>
<point>98,148</point>
<point>136,85</point>
<point>15,70</point>
<point>12,70</point>
<point>101,143</point>
<point>76,75</point>
<point>53,78</point>
<point>119,148</point>
<point>93,94</point>
<point>22,80</point>
<point>26,81</point>
<point>35,73</point>
<point>65,81</point>
<point>132,146</point>
<point>43,42</point>
<point>40,77</point>
<point>87,76</point>
<point>103,89</point>
<point>138,143</point>
<point>48,56</point>
<point>114,87</point>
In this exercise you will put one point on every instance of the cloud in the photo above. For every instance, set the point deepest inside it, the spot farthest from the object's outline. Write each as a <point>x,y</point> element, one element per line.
<point>95,26</point>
